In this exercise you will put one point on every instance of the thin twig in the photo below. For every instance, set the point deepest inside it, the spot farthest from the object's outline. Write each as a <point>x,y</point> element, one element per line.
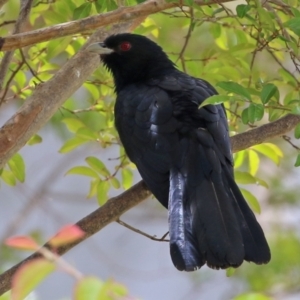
<point>288,139</point>
<point>10,79</point>
<point>7,23</point>
<point>23,15</point>
<point>187,38</point>
<point>119,166</point>
<point>151,237</point>
<point>286,35</point>
<point>34,74</point>
<point>78,111</point>
<point>60,263</point>
<point>282,66</point>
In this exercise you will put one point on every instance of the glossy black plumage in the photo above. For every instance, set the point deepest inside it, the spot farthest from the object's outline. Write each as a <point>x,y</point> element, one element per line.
<point>183,154</point>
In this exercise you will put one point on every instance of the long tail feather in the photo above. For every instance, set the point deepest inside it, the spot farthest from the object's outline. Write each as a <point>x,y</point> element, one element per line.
<point>183,250</point>
<point>209,220</point>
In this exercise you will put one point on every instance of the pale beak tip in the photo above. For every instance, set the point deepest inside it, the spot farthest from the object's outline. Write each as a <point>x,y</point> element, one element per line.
<point>98,48</point>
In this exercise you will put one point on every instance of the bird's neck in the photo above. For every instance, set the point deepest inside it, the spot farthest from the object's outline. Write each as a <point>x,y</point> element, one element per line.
<point>133,74</point>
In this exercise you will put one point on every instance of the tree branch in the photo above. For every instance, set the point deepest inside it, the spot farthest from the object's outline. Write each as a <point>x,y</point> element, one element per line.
<point>122,14</point>
<point>43,103</point>
<point>264,133</point>
<point>117,206</point>
<point>91,224</point>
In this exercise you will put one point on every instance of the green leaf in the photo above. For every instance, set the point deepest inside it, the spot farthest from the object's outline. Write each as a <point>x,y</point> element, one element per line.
<point>268,92</point>
<point>230,271</point>
<point>93,188</point>
<point>294,46</point>
<point>242,9</point>
<point>294,25</point>
<point>88,134</point>
<point>112,290</point>
<point>35,139</point>
<point>256,112</point>
<point>115,182</point>
<point>261,182</point>
<point>71,144</point>
<point>269,150</point>
<point>245,118</point>
<point>297,132</point>
<point>8,177</point>
<point>95,94</point>
<point>253,162</point>
<point>215,29</point>
<point>252,201</point>
<point>29,275</point>
<point>20,78</point>
<point>97,165</point>
<point>127,178</point>
<point>297,163</point>
<point>111,5</point>
<point>215,99</point>
<point>234,87</point>
<point>217,11</point>
<point>99,4</point>
<point>295,11</point>
<point>296,110</point>
<point>17,166</point>
<point>189,2</point>
<point>239,158</point>
<point>54,48</point>
<point>275,148</point>
<point>102,190</point>
<point>88,288</point>
<point>275,114</point>
<point>265,19</point>
<point>82,11</point>
<point>82,170</point>
<point>244,177</point>
<point>73,124</point>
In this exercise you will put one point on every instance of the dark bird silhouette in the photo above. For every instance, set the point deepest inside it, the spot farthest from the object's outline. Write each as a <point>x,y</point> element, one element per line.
<point>183,154</point>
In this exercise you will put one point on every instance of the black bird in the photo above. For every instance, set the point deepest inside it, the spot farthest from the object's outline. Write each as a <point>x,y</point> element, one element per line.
<point>183,154</point>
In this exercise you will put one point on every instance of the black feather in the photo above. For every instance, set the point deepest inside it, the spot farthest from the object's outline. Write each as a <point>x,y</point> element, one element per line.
<point>183,154</point>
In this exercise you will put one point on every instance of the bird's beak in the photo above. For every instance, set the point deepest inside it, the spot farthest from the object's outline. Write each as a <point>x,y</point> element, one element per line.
<point>99,48</point>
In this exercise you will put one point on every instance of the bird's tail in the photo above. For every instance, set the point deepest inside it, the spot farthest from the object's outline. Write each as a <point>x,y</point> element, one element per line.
<point>183,246</point>
<point>210,221</point>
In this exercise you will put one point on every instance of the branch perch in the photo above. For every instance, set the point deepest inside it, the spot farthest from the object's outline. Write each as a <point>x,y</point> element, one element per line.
<point>122,14</point>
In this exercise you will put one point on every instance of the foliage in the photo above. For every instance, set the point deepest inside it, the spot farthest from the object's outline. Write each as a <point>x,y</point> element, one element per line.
<point>249,52</point>
<point>33,272</point>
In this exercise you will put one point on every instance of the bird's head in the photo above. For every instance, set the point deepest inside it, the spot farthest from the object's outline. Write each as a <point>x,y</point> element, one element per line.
<point>132,58</point>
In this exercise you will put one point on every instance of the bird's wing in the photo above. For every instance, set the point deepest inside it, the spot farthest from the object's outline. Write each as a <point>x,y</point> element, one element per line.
<point>204,201</point>
<point>188,94</point>
<point>147,128</point>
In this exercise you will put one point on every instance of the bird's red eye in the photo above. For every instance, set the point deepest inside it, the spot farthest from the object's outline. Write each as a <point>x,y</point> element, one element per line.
<point>125,46</point>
